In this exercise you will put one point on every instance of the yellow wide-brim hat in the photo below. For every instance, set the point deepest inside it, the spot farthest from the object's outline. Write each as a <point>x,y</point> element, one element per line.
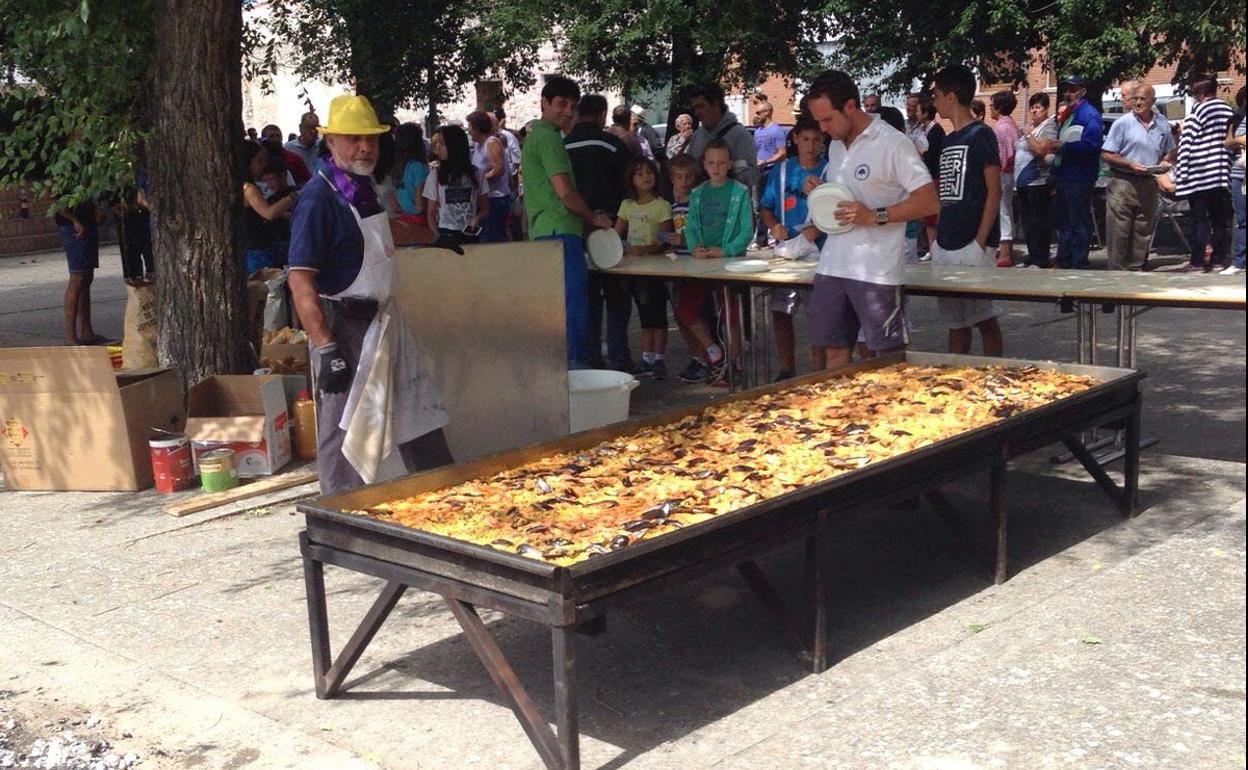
<point>349,114</point>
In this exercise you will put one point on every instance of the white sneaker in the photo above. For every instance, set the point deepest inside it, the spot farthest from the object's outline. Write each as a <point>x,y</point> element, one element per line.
<point>1232,270</point>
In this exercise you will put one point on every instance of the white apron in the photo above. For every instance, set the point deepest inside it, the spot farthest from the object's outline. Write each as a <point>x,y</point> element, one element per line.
<point>392,399</point>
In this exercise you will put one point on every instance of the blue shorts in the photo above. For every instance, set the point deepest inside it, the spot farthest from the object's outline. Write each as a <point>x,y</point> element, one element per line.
<point>82,254</point>
<point>258,259</point>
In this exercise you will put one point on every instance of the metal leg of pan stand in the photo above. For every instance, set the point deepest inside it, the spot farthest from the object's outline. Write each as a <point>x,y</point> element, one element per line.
<point>969,547</point>
<point>770,598</point>
<point>329,674</point>
<point>1123,498</point>
<point>996,508</point>
<point>560,752</point>
<point>818,574</point>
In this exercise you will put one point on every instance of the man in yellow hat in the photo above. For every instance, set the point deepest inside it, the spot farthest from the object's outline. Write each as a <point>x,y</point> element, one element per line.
<point>375,402</point>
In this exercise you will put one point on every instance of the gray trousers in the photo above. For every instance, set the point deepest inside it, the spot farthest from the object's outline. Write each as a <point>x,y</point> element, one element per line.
<point>1130,216</point>
<point>336,474</point>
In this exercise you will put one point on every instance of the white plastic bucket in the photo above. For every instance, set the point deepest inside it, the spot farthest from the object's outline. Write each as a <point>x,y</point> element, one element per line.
<point>598,397</point>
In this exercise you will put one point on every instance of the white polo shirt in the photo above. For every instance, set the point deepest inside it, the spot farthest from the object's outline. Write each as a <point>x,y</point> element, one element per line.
<point>881,168</point>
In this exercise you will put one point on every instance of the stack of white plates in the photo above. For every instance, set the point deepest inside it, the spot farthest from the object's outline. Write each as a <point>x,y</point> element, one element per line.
<point>606,249</point>
<point>822,203</point>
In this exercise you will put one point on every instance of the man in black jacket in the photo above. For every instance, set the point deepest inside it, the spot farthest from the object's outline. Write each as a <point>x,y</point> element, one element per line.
<point>599,162</point>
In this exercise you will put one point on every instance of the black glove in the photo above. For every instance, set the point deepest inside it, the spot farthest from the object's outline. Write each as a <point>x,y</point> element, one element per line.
<point>444,241</point>
<point>334,374</point>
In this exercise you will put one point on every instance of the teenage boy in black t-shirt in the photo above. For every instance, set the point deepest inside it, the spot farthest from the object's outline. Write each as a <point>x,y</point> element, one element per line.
<point>970,195</point>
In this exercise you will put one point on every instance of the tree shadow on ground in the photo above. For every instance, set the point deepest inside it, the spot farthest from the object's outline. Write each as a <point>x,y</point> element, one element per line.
<point>706,649</point>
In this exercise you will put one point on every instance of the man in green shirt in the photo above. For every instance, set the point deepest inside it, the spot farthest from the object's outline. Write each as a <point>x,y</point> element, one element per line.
<point>554,208</point>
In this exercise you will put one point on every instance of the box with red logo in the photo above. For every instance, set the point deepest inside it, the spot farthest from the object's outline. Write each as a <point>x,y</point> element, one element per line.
<point>245,413</point>
<point>69,422</point>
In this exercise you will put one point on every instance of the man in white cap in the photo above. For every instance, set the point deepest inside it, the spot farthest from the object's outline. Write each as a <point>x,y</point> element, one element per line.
<point>646,131</point>
<point>375,401</point>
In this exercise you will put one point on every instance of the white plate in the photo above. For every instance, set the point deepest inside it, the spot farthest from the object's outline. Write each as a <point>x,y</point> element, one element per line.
<point>747,265</point>
<point>822,203</point>
<point>605,249</point>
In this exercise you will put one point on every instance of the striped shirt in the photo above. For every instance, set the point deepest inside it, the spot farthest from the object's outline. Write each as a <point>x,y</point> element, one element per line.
<point>1204,163</point>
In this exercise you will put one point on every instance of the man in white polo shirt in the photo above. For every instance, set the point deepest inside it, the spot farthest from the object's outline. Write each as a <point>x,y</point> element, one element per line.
<point>858,281</point>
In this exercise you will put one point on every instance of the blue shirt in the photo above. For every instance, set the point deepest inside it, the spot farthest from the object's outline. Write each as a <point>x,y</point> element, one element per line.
<point>1080,161</point>
<point>1138,143</point>
<point>789,205</point>
<point>325,238</point>
<point>412,186</point>
<point>768,141</point>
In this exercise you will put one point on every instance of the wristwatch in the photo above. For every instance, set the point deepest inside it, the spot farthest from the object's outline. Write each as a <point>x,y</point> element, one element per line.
<point>881,216</point>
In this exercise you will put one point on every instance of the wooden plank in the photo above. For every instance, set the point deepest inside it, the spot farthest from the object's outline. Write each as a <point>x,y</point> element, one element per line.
<point>254,489</point>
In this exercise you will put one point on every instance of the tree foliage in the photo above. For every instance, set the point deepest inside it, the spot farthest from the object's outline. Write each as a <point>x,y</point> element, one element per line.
<point>73,109</point>
<point>407,53</point>
<point>1103,40</point>
<point>651,43</point>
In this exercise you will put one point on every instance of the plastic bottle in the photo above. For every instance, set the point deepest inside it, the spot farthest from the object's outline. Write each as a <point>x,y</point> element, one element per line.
<point>304,419</point>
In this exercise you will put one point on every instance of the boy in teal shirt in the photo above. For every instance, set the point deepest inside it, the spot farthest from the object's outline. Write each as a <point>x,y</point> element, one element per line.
<point>720,222</point>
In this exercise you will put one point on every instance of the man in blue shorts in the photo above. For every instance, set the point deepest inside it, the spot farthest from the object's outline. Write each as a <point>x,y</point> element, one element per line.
<point>80,237</point>
<point>858,281</point>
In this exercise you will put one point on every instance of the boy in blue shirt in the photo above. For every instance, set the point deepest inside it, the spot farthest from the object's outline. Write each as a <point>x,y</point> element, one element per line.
<point>783,212</point>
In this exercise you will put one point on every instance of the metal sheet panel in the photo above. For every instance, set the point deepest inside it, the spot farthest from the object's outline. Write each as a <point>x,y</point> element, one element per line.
<point>492,321</point>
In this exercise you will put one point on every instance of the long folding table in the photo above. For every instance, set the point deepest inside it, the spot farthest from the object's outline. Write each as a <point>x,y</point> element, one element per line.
<point>1084,292</point>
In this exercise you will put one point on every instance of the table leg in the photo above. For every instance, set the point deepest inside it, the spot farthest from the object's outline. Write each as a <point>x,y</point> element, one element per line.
<point>318,617</point>
<point>1131,466</point>
<point>551,749</point>
<point>769,335</point>
<point>745,364</point>
<point>363,635</point>
<point>567,721</point>
<point>729,352</point>
<point>817,579</point>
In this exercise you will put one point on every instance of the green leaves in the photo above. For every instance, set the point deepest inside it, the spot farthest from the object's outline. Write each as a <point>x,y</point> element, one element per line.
<point>635,44</point>
<point>1104,40</point>
<point>407,53</point>
<point>70,125</point>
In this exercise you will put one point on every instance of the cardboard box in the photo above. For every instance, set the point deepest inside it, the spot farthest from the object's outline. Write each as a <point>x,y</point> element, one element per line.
<point>70,422</point>
<point>246,413</point>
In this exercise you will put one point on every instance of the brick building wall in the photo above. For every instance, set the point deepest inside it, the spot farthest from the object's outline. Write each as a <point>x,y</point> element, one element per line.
<point>21,236</point>
<point>1160,77</point>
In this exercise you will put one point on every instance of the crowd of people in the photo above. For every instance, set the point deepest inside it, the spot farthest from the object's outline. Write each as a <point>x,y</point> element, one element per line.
<point>468,183</point>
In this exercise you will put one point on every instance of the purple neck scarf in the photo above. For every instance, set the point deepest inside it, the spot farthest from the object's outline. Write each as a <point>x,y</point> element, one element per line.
<point>358,190</point>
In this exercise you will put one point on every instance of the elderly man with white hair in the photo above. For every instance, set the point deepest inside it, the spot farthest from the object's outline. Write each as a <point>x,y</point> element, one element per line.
<point>375,400</point>
<point>1136,143</point>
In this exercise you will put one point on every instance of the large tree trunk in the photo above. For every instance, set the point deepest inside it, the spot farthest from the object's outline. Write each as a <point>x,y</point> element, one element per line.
<point>195,190</point>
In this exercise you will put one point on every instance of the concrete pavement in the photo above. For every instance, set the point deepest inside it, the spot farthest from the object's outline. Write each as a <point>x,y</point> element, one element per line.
<point>1116,644</point>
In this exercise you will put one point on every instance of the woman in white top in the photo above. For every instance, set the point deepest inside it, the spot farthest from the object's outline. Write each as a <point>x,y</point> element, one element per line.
<point>455,191</point>
<point>489,155</point>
